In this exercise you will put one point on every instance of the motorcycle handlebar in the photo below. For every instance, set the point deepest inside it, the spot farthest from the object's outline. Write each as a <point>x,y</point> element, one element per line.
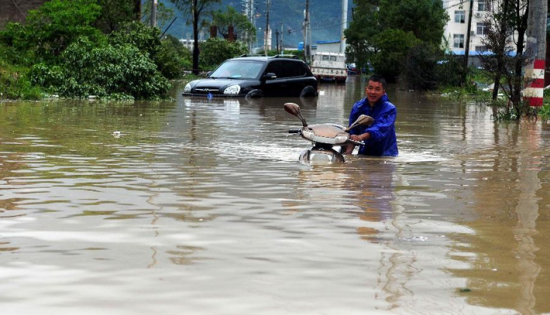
<point>361,143</point>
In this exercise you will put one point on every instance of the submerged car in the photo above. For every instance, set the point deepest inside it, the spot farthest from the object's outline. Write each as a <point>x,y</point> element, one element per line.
<point>256,77</point>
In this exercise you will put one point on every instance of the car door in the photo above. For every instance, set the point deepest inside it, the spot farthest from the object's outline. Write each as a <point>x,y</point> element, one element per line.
<point>274,86</point>
<point>295,76</point>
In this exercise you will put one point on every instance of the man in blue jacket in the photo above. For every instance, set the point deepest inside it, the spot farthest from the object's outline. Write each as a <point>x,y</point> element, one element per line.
<point>379,138</point>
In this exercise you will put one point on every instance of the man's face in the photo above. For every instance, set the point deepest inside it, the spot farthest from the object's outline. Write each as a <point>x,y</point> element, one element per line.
<point>374,91</point>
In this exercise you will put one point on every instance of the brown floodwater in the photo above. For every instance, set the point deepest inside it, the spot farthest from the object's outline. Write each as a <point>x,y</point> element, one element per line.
<point>200,206</point>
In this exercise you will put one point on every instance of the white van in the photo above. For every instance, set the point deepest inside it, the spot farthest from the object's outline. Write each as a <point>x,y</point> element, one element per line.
<point>329,66</point>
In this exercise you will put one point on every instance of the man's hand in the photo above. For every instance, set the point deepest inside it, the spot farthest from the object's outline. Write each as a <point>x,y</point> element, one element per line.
<point>361,137</point>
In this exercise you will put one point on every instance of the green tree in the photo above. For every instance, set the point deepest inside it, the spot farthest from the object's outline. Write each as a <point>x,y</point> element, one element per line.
<point>217,50</point>
<point>426,19</point>
<point>383,31</point>
<point>363,27</point>
<point>194,9</point>
<point>172,58</point>
<point>508,22</point>
<point>243,29</point>
<point>115,13</point>
<point>144,37</point>
<point>394,46</point>
<point>57,23</point>
<point>421,67</point>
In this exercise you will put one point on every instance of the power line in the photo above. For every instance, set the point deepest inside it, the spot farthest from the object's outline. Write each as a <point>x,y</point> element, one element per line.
<point>455,5</point>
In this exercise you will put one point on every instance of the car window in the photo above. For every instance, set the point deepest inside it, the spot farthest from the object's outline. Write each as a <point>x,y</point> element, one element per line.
<point>238,69</point>
<point>275,67</point>
<point>293,69</point>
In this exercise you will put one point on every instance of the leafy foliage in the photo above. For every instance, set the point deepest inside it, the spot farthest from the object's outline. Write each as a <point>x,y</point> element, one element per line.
<point>14,83</point>
<point>216,50</point>
<point>426,19</point>
<point>242,26</point>
<point>74,59</point>
<point>114,13</point>
<point>382,32</point>
<point>507,25</point>
<point>56,24</point>
<point>362,29</point>
<point>14,45</point>
<point>394,46</point>
<point>428,68</point>
<point>168,54</point>
<point>421,67</point>
<point>195,9</point>
<point>145,38</point>
<point>86,69</point>
<point>545,112</point>
<point>172,58</point>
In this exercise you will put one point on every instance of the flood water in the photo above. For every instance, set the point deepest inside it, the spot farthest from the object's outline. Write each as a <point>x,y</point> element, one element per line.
<point>200,206</point>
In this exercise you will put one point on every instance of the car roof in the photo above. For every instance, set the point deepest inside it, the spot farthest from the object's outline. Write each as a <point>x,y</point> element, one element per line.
<point>265,58</point>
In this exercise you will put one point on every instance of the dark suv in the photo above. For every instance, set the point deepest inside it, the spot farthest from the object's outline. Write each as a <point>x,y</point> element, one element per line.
<point>256,77</point>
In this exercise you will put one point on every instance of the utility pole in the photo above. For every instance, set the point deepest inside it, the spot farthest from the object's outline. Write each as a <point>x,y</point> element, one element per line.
<point>277,40</point>
<point>536,47</point>
<point>344,26</point>
<point>154,13</point>
<point>306,33</point>
<point>282,36</point>
<point>467,46</point>
<point>268,4</point>
<point>137,9</point>
<point>249,12</point>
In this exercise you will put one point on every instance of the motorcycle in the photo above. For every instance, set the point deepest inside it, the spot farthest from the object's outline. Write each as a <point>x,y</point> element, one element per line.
<point>325,137</point>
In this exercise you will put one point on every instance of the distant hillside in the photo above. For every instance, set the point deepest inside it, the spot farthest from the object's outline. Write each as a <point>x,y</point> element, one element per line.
<point>16,11</point>
<point>325,19</point>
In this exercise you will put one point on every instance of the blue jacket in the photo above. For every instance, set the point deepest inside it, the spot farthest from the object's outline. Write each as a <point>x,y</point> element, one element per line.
<point>383,141</point>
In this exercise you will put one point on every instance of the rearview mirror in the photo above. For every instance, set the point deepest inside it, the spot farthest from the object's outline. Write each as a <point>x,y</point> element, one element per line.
<point>269,76</point>
<point>294,109</point>
<point>362,120</point>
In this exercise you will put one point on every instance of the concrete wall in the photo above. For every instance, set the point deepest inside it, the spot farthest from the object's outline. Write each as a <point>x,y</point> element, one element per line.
<point>16,10</point>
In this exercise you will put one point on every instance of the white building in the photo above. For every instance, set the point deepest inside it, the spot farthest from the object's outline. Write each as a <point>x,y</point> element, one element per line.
<point>457,27</point>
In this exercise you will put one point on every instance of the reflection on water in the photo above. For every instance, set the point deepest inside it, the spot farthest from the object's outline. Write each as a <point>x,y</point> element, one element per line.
<point>201,204</point>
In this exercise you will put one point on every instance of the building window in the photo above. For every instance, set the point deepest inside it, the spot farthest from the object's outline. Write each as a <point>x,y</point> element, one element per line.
<point>481,48</point>
<point>482,28</point>
<point>458,40</point>
<point>460,16</point>
<point>483,5</point>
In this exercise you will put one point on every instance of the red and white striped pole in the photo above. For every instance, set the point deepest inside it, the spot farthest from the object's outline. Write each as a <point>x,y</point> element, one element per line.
<point>534,75</point>
<point>536,46</point>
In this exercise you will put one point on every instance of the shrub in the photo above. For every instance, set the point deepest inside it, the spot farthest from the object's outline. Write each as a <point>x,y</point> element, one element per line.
<point>14,83</point>
<point>173,58</point>
<point>449,71</point>
<point>145,38</point>
<point>421,67</point>
<point>102,71</point>
<point>57,23</point>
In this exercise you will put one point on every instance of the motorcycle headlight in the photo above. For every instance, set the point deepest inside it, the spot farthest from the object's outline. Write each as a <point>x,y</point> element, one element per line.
<point>341,139</point>
<point>307,133</point>
<point>232,90</point>
<point>187,88</point>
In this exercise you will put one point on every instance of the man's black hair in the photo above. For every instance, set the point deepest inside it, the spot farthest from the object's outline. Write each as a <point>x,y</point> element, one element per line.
<point>378,78</point>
